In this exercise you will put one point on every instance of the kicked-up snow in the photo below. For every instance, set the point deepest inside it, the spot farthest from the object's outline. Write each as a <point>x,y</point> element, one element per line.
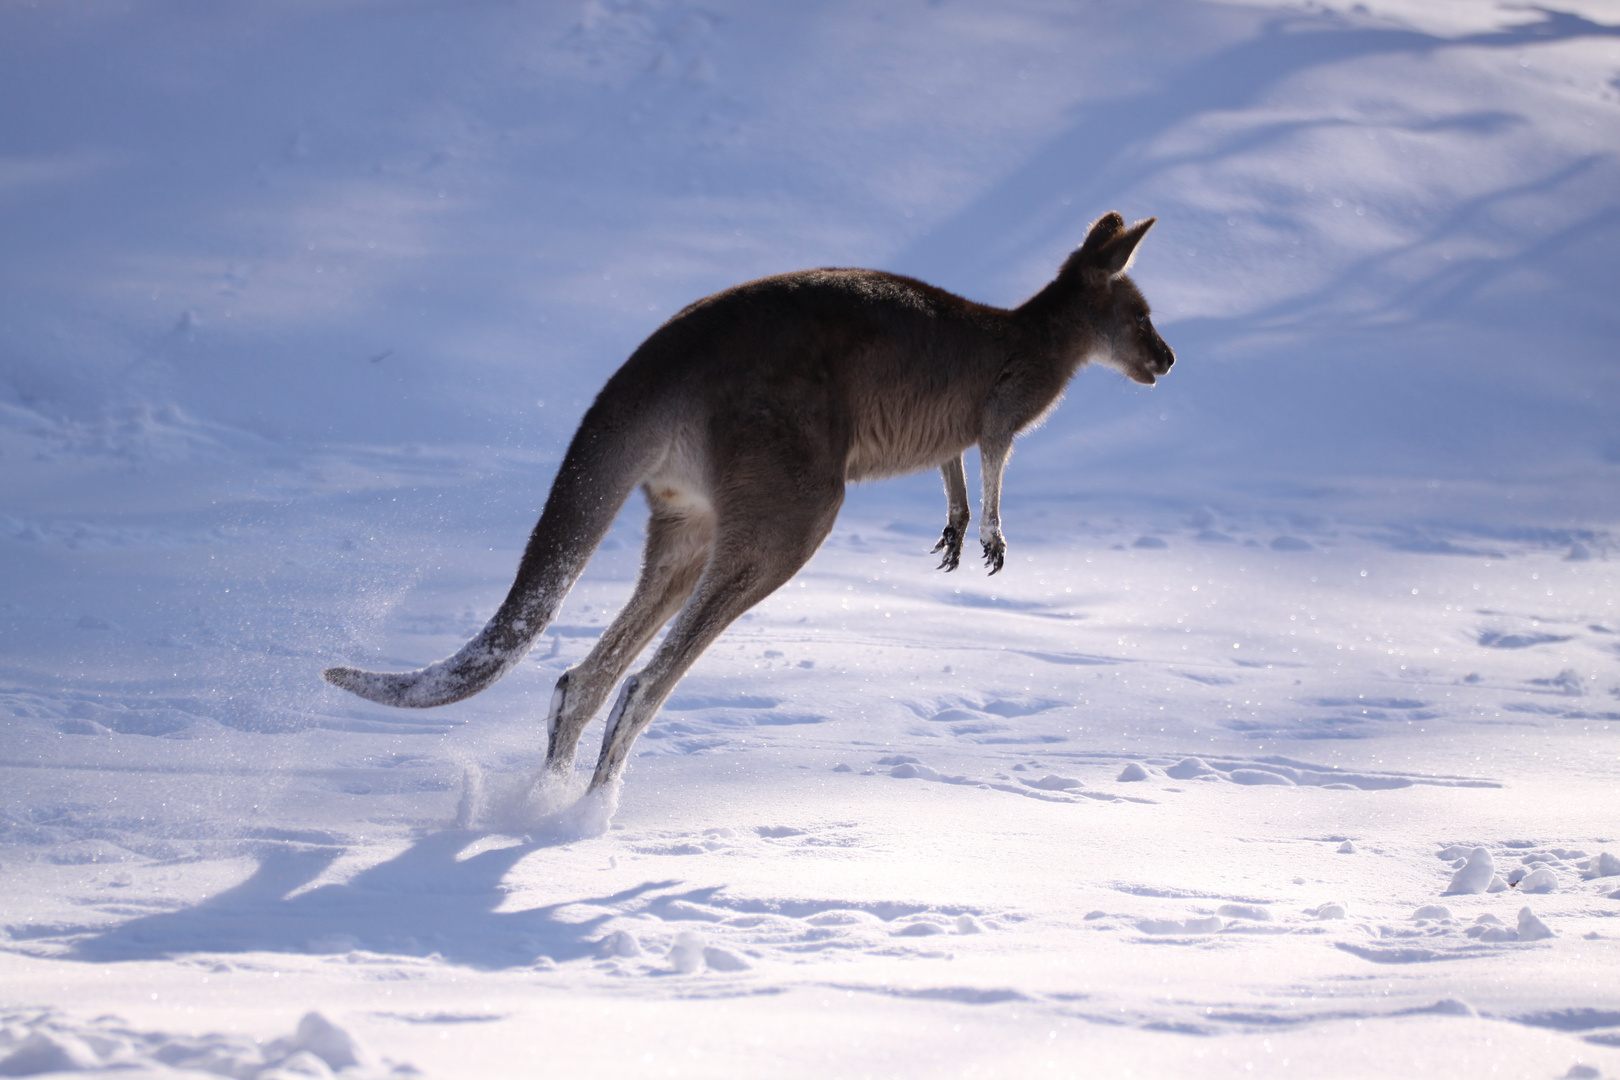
<point>1282,746</point>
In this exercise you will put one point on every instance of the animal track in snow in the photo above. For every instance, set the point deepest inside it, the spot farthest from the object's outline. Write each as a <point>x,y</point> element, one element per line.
<point>1493,873</point>
<point>1052,782</point>
<point>1524,866</point>
<point>724,840</point>
<point>694,723</point>
<point>1431,936</point>
<point>1430,933</point>
<point>665,931</point>
<point>1277,771</point>
<point>992,720</point>
<point>1303,774</point>
<point>1049,788</point>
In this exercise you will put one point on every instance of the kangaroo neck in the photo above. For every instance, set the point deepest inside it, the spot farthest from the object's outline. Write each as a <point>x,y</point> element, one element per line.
<point>1056,325</point>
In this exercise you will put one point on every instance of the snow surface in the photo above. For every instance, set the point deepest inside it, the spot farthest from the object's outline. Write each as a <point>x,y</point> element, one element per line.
<point>300,302</point>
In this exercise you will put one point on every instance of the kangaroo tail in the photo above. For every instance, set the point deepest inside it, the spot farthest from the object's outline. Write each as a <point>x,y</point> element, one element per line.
<point>601,469</point>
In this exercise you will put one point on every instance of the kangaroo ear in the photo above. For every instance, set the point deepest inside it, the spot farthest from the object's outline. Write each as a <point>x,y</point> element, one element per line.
<point>1102,231</point>
<point>1117,253</point>
<point>1109,246</point>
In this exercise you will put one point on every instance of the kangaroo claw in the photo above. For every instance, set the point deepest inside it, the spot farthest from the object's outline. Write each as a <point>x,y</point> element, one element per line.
<point>950,542</point>
<point>995,555</point>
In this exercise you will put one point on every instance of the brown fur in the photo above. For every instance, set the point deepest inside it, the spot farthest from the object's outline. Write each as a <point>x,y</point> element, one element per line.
<point>743,417</point>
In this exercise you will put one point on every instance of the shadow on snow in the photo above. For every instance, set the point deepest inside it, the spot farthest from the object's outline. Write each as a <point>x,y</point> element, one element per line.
<point>423,901</point>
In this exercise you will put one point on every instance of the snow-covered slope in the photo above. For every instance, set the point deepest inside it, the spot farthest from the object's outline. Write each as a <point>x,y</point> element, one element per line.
<point>300,302</point>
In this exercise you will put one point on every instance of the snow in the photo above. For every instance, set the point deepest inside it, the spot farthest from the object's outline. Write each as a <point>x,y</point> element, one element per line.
<point>299,305</point>
<point>1477,875</point>
<point>44,1042</point>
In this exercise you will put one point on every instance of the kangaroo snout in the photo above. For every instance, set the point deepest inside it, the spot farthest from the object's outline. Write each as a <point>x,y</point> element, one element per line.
<point>1161,359</point>
<point>1165,361</point>
<point>1147,372</point>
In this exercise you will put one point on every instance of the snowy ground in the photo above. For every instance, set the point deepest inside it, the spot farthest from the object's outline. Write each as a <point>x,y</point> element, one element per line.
<point>300,303</point>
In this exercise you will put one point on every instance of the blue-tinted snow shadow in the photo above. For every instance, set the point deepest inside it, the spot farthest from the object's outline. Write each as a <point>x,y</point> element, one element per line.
<point>423,901</point>
<point>1101,157</point>
<point>1390,367</point>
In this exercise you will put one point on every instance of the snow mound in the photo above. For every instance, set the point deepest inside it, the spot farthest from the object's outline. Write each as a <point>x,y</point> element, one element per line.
<point>620,943</point>
<point>39,1044</point>
<point>719,959</point>
<point>49,1052</point>
<point>1603,864</point>
<point>1475,876</point>
<point>1532,928</point>
<point>1053,782</point>
<point>1287,772</point>
<point>1488,929</point>
<point>1539,880</point>
<point>1189,769</point>
<point>332,1044</point>
<point>1211,925</point>
<point>686,953</point>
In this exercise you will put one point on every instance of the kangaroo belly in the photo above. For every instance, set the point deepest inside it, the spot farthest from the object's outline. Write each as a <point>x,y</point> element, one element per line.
<point>893,439</point>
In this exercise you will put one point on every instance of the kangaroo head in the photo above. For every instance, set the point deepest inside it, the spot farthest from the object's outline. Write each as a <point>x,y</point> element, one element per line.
<point>1118,314</point>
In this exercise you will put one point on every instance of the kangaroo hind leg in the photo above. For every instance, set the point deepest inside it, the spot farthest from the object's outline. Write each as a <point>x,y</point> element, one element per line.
<point>680,537</point>
<point>755,553</point>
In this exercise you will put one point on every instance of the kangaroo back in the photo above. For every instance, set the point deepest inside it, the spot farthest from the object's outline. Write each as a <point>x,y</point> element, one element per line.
<point>609,457</point>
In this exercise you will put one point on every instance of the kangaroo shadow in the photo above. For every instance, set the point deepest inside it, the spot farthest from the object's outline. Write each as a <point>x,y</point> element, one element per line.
<point>423,901</point>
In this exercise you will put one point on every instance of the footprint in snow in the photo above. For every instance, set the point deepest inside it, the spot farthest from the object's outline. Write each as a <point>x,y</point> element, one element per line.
<point>1050,788</point>
<point>1286,772</point>
<point>1539,869</point>
<point>725,840</point>
<point>697,931</point>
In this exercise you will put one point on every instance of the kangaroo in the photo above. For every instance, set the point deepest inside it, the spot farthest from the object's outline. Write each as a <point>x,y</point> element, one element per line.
<point>742,419</point>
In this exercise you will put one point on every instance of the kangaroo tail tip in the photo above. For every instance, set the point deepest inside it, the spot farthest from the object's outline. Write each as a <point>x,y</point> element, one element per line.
<point>381,687</point>
<point>367,684</point>
<point>440,684</point>
<point>346,677</point>
<point>460,676</point>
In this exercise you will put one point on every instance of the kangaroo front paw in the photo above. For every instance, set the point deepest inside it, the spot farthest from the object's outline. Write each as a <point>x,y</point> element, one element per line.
<point>950,542</point>
<point>995,552</point>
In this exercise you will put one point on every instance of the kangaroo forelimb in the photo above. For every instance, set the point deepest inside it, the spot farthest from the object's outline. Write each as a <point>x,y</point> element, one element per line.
<point>950,542</point>
<point>957,513</point>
